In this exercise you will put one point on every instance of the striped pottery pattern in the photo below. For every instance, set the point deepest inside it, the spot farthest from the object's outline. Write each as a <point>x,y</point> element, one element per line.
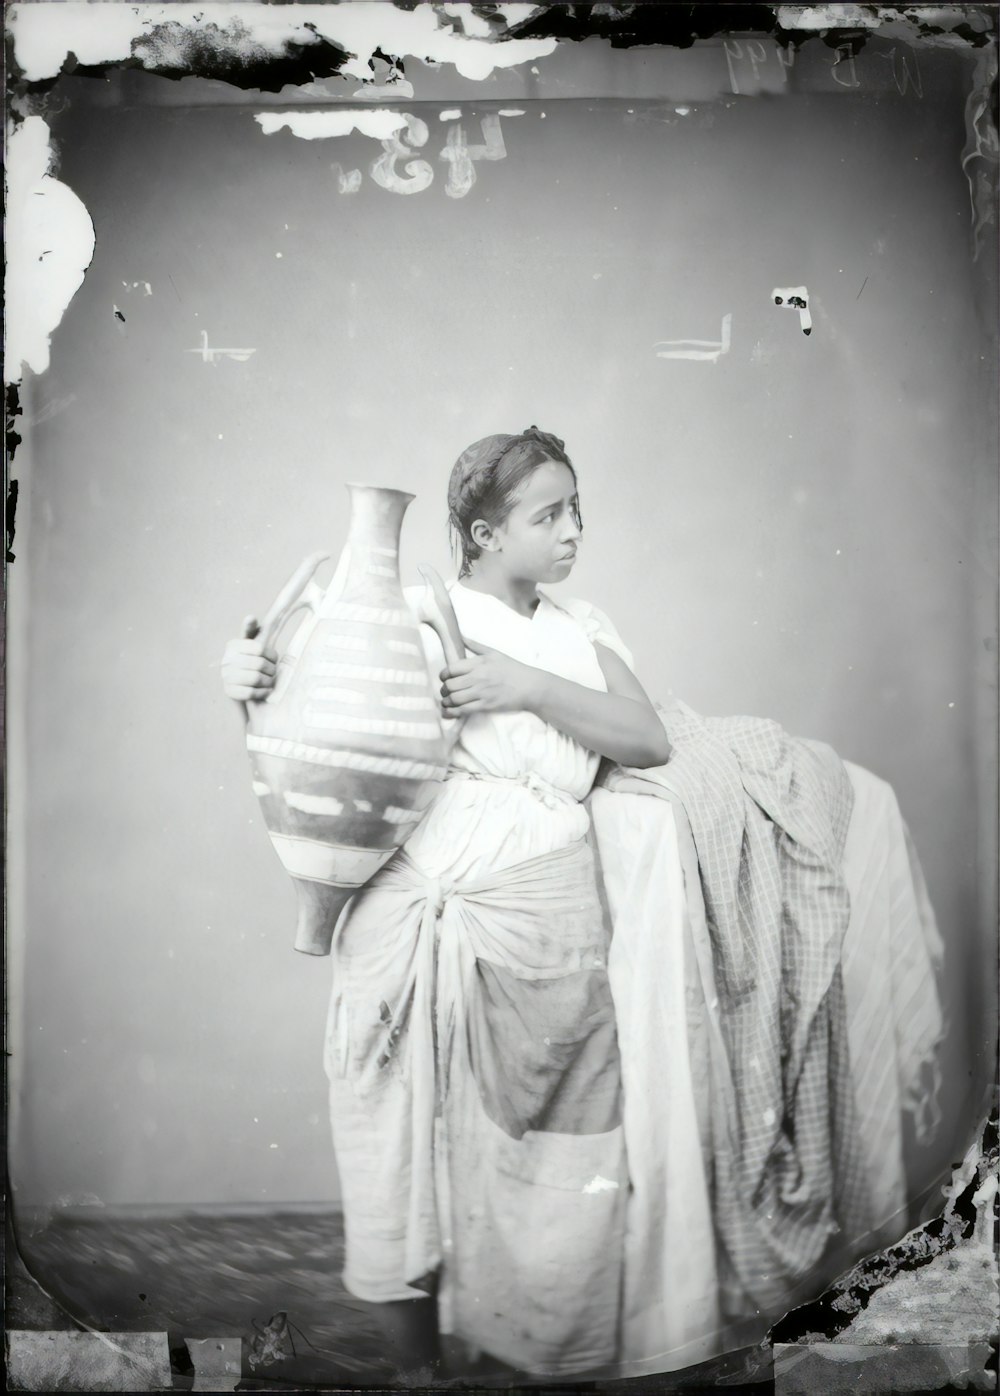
<point>349,750</point>
<point>351,760</point>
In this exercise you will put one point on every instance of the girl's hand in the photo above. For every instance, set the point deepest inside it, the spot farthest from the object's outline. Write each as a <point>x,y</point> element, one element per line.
<point>487,682</point>
<point>248,671</point>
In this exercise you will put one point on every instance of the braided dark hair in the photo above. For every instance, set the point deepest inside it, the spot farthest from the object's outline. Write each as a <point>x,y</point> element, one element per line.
<point>486,481</point>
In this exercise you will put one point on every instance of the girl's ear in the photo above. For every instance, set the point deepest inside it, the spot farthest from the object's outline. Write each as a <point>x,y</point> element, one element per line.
<point>483,536</point>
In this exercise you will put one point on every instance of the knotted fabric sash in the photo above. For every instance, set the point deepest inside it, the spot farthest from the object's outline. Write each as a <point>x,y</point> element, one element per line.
<point>493,962</point>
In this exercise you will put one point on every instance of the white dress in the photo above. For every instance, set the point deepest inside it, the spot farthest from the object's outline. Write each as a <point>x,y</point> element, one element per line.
<point>472,1048</point>
<point>475,971</point>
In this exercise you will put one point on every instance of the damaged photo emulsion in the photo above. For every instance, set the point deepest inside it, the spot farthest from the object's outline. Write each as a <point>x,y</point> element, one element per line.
<point>502,645</point>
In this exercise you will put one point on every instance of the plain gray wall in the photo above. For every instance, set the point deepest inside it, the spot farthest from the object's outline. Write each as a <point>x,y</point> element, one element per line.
<point>804,529</point>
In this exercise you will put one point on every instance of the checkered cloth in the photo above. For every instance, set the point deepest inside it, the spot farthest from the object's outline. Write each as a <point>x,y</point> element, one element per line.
<point>769,815</point>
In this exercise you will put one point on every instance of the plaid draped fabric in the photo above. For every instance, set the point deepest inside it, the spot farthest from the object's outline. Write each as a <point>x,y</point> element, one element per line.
<point>769,815</point>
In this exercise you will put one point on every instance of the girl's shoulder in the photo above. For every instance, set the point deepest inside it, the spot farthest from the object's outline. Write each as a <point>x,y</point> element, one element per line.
<point>595,623</point>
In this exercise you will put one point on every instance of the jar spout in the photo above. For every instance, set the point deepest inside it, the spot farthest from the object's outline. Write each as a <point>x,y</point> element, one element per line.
<point>320,906</point>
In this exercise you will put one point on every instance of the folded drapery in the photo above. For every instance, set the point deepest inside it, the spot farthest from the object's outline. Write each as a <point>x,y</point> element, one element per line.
<point>473,1026</point>
<point>797,873</point>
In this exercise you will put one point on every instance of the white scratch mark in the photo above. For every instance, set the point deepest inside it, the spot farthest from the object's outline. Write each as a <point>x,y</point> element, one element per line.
<point>51,409</point>
<point>322,125</point>
<point>705,350</point>
<point>49,246</point>
<point>461,157</point>
<point>418,175</point>
<point>516,13</point>
<point>795,298</point>
<point>129,31</point>
<point>599,1184</point>
<point>378,91</point>
<point>828,17</point>
<point>473,26</point>
<point>211,356</point>
<point>348,182</point>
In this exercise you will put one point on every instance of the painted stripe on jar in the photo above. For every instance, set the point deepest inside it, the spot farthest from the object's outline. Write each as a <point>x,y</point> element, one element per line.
<point>392,814</point>
<point>369,673</point>
<point>422,704</point>
<point>330,863</point>
<point>348,760</point>
<point>371,615</point>
<point>339,695</point>
<point>404,647</point>
<point>314,804</point>
<point>374,726</point>
<point>261,788</point>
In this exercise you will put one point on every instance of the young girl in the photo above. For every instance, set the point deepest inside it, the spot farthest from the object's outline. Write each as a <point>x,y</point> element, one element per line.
<point>471,1047</point>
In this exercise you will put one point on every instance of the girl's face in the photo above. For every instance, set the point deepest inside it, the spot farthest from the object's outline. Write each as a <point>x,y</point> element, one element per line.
<point>537,540</point>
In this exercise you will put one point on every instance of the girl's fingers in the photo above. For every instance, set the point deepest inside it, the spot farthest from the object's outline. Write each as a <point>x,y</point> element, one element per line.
<point>460,668</point>
<point>462,699</point>
<point>249,649</point>
<point>458,685</point>
<point>249,678</point>
<point>471,704</point>
<point>246,664</point>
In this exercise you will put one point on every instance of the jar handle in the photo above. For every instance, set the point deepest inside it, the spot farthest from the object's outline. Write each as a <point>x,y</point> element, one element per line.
<point>300,593</point>
<point>434,608</point>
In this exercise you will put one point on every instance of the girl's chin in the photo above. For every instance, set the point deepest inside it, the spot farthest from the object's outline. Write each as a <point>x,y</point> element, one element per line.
<point>555,572</point>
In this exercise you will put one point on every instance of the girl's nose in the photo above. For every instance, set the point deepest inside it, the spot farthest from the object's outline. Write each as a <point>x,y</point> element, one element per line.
<point>571,531</point>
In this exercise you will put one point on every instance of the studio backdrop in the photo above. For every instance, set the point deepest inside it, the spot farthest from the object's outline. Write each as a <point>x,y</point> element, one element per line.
<point>752,293</point>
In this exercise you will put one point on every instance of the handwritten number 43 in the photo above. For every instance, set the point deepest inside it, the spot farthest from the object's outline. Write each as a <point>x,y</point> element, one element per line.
<point>398,170</point>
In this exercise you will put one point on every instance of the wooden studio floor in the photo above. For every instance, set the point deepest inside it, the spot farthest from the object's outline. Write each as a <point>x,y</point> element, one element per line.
<point>210,1276</point>
<point>203,1276</point>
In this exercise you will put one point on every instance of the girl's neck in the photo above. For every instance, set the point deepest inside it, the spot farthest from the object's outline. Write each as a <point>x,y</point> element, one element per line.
<point>518,593</point>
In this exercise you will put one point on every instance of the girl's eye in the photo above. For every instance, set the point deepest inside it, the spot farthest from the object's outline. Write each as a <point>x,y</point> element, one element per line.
<point>547,518</point>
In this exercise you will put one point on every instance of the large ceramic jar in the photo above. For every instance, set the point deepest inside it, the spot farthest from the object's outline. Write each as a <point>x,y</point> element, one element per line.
<point>349,748</point>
